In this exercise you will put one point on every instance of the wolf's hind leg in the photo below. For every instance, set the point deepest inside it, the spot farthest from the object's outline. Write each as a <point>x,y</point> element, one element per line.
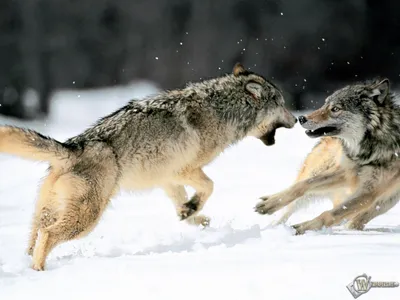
<point>42,202</point>
<point>68,228</point>
<point>75,223</point>
<point>75,208</point>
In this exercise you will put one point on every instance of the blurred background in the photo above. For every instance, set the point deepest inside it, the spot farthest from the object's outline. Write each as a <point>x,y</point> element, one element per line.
<point>308,47</point>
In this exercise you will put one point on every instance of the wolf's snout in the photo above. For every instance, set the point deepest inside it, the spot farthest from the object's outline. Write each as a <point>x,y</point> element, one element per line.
<point>289,119</point>
<point>302,120</point>
<point>290,123</point>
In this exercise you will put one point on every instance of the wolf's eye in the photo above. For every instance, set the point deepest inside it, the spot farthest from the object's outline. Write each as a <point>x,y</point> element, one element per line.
<point>335,109</point>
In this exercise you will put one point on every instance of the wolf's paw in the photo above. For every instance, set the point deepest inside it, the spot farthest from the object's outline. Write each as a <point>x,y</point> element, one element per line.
<point>189,208</point>
<point>199,220</point>
<point>324,220</point>
<point>300,229</point>
<point>358,222</point>
<point>269,205</point>
<point>354,226</point>
<point>38,267</point>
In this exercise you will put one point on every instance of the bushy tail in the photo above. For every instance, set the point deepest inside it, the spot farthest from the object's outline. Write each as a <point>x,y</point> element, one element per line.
<point>31,145</point>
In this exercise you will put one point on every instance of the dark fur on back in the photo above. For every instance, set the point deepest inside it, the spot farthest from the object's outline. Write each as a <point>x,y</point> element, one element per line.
<point>168,113</point>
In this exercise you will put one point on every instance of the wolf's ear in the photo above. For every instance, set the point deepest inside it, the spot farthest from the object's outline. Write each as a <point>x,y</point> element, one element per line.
<point>238,69</point>
<point>380,90</point>
<point>255,90</point>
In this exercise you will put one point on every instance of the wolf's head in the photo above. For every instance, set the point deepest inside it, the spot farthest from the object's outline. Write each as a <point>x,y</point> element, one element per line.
<point>349,112</point>
<point>267,100</point>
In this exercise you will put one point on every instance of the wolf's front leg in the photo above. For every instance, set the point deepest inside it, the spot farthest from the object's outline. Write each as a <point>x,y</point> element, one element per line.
<point>273,203</point>
<point>338,214</point>
<point>203,186</point>
<point>325,181</point>
<point>377,208</point>
<point>178,195</point>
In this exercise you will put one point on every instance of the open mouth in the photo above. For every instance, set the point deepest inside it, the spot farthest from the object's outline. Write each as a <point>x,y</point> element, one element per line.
<point>269,138</point>
<point>323,131</point>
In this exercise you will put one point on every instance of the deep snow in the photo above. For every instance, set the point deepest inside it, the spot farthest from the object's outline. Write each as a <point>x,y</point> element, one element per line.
<point>141,251</point>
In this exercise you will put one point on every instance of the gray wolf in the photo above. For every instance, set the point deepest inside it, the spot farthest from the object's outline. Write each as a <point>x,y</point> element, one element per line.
<point>159,142</point>
<point>360,126</point>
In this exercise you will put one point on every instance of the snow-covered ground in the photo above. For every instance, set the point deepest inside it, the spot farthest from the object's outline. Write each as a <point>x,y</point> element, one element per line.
<point>141,251</point>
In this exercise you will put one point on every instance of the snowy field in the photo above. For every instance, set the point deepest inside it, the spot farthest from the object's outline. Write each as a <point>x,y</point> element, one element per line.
<point>141,251</point>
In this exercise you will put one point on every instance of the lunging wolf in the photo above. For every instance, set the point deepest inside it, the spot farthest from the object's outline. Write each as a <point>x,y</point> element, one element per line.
<point>162,141</point>
<point>360,126</point>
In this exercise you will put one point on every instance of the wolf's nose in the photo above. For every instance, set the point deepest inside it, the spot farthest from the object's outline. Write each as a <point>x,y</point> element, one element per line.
<point>302,120</point>
<point>295,120</point>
